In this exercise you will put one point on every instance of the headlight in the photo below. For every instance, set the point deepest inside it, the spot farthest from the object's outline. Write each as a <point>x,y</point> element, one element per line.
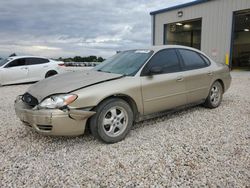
<point>58,101</point>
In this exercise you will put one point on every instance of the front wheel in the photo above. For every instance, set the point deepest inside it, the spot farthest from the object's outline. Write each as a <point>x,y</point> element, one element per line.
<point>215,96</point>
<point>112,121</point>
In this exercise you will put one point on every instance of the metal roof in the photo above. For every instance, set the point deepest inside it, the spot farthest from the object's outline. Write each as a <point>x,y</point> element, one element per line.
<point>178,6</point>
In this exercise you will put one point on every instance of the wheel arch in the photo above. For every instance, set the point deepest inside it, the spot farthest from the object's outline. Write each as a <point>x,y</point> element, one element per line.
<point>50,71</point>
<point>126,98</point>
<point>222,84</point>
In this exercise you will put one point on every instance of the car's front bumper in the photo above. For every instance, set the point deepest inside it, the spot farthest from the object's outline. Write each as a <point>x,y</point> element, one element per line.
<point>53,121</point>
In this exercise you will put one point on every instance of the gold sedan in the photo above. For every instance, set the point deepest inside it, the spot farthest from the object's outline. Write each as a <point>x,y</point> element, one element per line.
<point>130,86</point>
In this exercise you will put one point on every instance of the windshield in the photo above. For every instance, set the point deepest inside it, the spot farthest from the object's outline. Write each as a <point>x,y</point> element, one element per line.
<point>126,63</point>
<point>3,61</point>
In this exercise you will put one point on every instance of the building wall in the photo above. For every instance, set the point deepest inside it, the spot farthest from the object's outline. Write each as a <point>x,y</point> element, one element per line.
<point>217,19</point>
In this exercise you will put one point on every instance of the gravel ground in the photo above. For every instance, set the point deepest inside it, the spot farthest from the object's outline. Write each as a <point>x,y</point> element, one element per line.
<point>194,147</point>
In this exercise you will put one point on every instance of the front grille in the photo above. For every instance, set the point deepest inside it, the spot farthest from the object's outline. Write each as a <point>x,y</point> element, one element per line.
<point>29,99</point>
<point>45,127</point>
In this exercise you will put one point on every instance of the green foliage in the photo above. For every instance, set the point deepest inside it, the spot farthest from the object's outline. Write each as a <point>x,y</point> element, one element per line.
<point>82,59</point>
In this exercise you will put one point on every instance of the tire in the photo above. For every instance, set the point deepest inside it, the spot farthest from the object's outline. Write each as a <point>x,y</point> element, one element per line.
<point>215,96</point>
<point>119,119</point>
<point>50,73</point>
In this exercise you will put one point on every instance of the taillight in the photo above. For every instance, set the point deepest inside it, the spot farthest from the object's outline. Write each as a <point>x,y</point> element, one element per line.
<point>61,64</point>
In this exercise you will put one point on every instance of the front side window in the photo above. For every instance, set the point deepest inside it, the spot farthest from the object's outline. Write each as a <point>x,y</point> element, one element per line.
<point>16,63</point>
<point>167,60</point>
<point>126,63</point>
<point>192,60</point>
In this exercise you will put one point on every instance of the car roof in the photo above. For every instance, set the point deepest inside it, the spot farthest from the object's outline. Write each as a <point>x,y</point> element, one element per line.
<point>18,57</point>
<point>161,47</point>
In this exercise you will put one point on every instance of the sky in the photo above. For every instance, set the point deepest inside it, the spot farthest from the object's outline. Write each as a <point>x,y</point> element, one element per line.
<point>67,28</point>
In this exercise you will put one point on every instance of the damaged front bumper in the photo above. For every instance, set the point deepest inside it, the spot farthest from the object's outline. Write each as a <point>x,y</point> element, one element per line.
<point>70,122</point>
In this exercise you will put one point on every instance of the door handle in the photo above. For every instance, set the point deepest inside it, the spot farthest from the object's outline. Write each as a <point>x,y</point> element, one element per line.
<point>24,68</point>
<point>179,79</point>
<point>210,73</point>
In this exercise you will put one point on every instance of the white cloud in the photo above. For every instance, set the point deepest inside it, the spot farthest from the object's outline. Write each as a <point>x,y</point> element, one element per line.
<point>38,48</point>
<point>68,28</point>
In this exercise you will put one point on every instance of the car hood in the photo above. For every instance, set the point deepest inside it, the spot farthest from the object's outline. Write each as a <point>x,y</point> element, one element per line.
<point>69,82</point>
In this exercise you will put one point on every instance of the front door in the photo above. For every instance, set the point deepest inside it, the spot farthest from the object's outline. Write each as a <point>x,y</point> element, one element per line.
<point>164,89</point>
<point>15,71</point>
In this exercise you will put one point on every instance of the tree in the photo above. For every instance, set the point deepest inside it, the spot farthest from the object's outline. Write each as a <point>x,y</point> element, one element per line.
<point>77,59</point>
<point>100,59</point>
<point>91,58</point>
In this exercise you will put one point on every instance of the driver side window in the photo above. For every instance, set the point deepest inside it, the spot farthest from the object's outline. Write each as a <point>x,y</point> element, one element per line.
<point>16,63</point>
<point>167,60</point>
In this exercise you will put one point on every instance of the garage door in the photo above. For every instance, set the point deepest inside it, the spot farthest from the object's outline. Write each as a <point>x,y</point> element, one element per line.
<point>241,41</point>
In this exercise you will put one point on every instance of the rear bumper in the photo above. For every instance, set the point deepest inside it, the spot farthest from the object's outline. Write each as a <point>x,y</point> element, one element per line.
<point>53,121</point>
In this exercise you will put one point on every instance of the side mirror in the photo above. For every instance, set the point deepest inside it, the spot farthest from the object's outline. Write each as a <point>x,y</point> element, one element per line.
<point>155,70</point>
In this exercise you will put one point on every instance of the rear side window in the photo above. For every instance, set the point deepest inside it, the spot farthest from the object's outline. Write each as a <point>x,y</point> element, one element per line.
<point>166,59</point>
<point>16,63</point>
<point>36,61</point>
<point>205,59</point>
<point>192,60</point>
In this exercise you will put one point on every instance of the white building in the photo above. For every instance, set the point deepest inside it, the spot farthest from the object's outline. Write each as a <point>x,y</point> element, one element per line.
<point>220,28</point>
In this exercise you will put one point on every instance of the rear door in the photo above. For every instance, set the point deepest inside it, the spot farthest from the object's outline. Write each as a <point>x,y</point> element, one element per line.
<point>16,71</point>
<point>166,89</point>
<point>37,68</point>
<point>198,74</point>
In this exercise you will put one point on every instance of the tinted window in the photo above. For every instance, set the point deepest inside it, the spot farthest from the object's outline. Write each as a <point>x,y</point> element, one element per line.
<point>166,59</point>
<point>36,61</point>
<point>17,62</point>
<point>205,59</point>
<point>192,60</point>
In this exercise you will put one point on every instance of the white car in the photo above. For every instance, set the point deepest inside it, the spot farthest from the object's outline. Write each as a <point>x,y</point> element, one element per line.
<point>22,69</point>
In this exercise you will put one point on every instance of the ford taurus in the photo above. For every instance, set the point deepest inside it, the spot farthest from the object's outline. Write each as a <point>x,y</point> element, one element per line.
<point>129,87</point>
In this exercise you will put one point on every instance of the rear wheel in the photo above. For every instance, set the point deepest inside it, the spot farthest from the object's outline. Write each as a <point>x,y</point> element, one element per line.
<point>215,96</point>
<point>50,73</point>
<point>112,121</point>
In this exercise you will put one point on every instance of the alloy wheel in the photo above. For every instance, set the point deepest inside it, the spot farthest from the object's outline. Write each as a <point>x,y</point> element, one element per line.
<point>115,121</point>
<point>215,95</point>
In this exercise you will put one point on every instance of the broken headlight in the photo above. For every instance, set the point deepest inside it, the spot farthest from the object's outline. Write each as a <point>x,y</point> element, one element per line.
<point>58,101</point>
